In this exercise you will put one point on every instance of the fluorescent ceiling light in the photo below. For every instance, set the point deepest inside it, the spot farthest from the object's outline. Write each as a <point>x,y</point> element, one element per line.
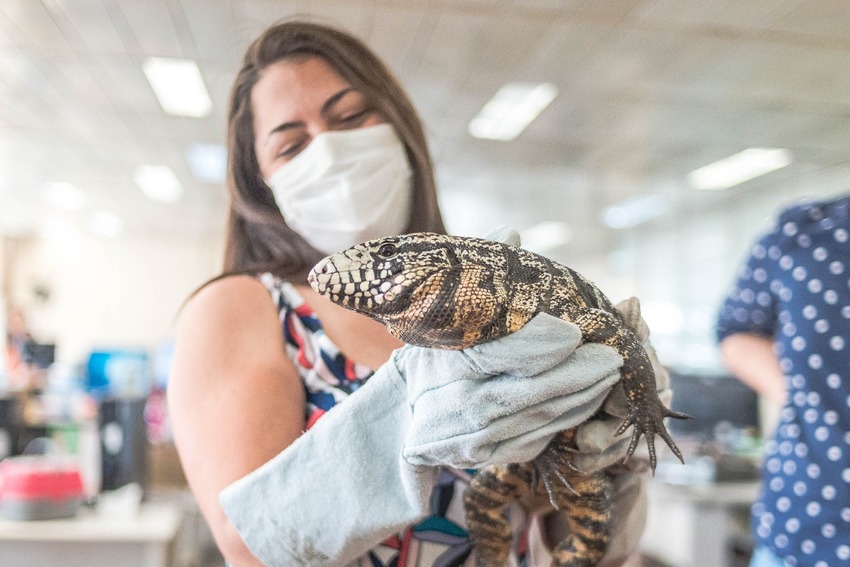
<point>106,224</point>
<point>546,235</point>
<point>511,110</point>
<point>64,196</point>
<point>158,183</point>
<point>635,210</point>
<point>208,162</point>
<point>739,168</point>
<point>178,85</point>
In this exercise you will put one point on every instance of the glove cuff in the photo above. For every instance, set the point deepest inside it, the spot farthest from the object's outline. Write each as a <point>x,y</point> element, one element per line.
<point>348,465</point>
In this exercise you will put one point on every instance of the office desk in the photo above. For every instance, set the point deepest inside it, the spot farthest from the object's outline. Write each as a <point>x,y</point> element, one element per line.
<point>93,540</point>
<point>695,524</point>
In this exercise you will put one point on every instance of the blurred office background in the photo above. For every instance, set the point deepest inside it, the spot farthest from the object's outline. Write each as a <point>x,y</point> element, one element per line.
<point>112,196</point>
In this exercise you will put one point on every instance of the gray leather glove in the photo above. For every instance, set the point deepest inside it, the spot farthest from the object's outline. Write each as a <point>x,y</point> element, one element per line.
<point>495,434</point>
<point>340,488</point>
<point>524,388</point>
<point>363,461</point>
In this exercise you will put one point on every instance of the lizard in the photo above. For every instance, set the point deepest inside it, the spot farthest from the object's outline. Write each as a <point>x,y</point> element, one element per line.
<point>453,292</point>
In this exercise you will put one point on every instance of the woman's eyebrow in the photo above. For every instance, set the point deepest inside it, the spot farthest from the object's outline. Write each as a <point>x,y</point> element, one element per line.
<point>335,99</point>
<point>326,107</point>
<point>283,127</point>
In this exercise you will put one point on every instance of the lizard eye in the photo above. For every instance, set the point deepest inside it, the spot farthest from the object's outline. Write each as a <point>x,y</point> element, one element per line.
<point>387,250</point>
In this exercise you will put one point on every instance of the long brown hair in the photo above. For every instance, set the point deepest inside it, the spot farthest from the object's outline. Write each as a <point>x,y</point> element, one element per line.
<point>258,238</point>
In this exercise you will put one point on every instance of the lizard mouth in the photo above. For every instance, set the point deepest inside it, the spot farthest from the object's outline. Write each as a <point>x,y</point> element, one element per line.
<point>354,287</point>
<point>318,277</point>
<point>327,279</point>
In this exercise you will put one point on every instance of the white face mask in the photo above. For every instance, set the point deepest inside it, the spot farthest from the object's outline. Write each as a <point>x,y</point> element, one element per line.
<point>346,187</point>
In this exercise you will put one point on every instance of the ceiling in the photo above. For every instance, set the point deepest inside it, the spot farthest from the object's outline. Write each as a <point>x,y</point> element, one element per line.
<point>649,90</point>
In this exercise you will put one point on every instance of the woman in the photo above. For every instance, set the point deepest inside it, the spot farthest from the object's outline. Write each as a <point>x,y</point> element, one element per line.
<point>326,150</point>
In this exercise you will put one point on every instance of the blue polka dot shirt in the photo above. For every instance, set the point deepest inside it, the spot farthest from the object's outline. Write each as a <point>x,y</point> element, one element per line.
<point>795,288</point>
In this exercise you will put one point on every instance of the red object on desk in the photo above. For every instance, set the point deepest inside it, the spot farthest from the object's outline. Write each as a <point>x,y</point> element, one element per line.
<point>39,487</point>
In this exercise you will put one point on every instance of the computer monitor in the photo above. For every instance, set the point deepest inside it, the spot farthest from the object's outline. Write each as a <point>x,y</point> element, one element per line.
<point>39,355</point>
<point>712,400</point>
<point>722,442</point>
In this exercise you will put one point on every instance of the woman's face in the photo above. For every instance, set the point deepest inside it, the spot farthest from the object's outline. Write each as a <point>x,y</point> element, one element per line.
<point>297,99</point>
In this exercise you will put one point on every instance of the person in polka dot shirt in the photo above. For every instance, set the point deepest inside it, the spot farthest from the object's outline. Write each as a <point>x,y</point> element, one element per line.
<point>784,329</point>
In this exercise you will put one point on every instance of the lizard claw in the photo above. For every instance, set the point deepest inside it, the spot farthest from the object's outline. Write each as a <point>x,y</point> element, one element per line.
<point>548,467</point>
<point>650,425</point>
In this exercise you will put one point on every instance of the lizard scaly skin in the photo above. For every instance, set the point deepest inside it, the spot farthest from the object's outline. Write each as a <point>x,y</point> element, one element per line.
<point>451,292</point>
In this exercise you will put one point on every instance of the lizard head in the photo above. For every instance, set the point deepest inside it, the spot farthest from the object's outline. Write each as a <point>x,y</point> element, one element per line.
<point>424,287</point>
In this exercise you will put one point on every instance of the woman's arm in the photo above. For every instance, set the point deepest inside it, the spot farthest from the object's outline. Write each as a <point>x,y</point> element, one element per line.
<point>234,398</point>
<point>751,358</point>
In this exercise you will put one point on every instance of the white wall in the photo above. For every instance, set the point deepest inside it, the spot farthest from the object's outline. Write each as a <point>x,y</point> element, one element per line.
<point>104,293</point>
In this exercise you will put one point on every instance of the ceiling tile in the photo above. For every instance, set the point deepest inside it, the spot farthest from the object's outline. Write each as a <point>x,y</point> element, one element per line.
<point>821,18</point>
<point>126,85</point>
<point>89,25</point>
<point>399,34</point>
<point>351,15</point>
<point>30,23</point>
<point>153,28</point>
<point>256,15</point>
<point>76,80</point>
<point>711,15</point>
<point>214,36</point>
<point>613,8</point>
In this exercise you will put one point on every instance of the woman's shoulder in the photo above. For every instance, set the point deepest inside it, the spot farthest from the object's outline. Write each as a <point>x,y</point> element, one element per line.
<point>229,309</point>
<point>224,294</point>
<point>229,330</point>
<point>228,286</point>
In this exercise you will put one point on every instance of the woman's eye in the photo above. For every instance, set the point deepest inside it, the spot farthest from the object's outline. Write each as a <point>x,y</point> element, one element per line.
<point>355,117</point>
<point>290,150</point>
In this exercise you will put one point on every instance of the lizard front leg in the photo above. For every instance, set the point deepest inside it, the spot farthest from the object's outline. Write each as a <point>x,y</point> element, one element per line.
<point>646,412</point>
